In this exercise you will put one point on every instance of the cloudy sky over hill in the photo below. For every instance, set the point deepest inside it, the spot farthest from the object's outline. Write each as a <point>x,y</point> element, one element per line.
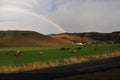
<point>55,16</point>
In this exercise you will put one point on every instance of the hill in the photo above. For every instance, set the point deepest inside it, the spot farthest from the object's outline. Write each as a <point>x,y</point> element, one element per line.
<point>113,37</point>
<point>25,38</point>
<point>71,37</point>
<point>31,38</point>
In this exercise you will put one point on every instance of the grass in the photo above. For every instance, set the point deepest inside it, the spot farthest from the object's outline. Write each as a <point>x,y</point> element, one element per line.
<point>31,60</point>
<point>67,61</point>
<point>29,54</point>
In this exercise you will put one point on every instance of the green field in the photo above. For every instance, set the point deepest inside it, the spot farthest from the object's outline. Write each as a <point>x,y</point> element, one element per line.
<point>30,54</point>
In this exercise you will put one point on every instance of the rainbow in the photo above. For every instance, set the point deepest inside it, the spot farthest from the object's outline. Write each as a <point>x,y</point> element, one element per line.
<point>16,8</point>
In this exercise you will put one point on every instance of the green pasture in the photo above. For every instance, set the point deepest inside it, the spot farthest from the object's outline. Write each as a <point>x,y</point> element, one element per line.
<point>30,54</point>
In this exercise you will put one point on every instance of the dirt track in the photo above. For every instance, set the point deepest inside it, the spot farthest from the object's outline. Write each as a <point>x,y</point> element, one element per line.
<point>64,71</point>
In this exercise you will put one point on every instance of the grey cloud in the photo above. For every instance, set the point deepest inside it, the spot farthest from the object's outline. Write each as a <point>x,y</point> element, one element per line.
<point>72,15</point>
<point>89,15</point>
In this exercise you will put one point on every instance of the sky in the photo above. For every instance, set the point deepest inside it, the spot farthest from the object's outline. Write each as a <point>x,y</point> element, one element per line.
<point>58,16</point>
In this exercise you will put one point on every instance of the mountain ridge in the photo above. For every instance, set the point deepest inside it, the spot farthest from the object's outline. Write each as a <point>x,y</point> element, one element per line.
<point>32,38</point>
